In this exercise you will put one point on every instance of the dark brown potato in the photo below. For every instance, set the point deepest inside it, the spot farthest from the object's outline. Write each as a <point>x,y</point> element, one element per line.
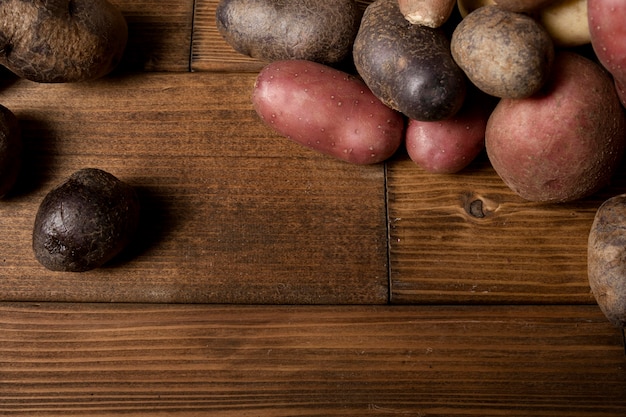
<point>61,40</point>
<point>10,150</point>
<point>505,54</point>
<point>408,67</point>
<point>606,259</point>
<point>271,30</point>
<point>85,222</point>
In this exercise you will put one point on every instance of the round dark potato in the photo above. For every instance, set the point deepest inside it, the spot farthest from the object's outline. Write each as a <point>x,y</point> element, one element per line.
<point>85,222</point>
<point>505,54</point>
<point>61,40</point>
<point>408,67</point>
<point>271,30</point>
<point>10,150</point>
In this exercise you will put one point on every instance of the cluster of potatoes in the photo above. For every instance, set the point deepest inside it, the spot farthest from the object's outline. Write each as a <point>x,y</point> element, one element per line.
<point>89,218</point>
<point>537,84</point>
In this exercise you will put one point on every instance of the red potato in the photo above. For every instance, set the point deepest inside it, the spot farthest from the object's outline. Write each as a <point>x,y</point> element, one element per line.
<point>448,146</point>
<point>327,110</point>
<point>607,27</point>
<point>564,143</point>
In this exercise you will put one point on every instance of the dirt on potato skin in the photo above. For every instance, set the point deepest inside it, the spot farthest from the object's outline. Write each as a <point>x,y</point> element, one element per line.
<point>606,259</point>
<point>322,31</point>
<point>61,40</point>
<point>85,221</point>
<point>408,67</point>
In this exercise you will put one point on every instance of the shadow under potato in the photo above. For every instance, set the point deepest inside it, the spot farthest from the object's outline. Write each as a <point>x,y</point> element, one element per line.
<point>155,223</point>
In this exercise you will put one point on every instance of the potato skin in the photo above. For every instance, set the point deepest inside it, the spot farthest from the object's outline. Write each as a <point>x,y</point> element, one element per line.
<point>607,30</point>
<point>272,30</point>
<point>448,146</point>
<point>565,143</point>
<point>61,40</point>
<point>10,150</point>
<point>85,221</point>
<point>606,259</point>
<point>505,54</point>
<point>327,110</point>
<point>408,67</point>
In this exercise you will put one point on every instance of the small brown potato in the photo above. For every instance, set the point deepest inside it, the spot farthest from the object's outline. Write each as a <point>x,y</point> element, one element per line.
<point>408,67</point>
<point>85,221</point>
<point>565,142</point>
<point>271,30</point>
<point>606,259</point>
<point>448,146</point>
<point>505,54</point>
<point>327,110</point>
<point>10,150</point>
<point>61,40</point>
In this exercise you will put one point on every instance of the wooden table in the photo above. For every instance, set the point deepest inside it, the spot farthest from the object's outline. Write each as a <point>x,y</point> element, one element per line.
<point>268,280</point>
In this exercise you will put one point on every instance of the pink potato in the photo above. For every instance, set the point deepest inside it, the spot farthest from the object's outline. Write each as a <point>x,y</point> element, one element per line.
<point>607,27</point>
<point>327,110</point>
<point>564,143</point>
<point>448,146</point>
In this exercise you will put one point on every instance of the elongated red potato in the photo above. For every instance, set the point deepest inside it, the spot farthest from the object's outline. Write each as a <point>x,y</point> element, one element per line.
<point>327,110</point>
<point>607,27</point>
<point>448,146</point>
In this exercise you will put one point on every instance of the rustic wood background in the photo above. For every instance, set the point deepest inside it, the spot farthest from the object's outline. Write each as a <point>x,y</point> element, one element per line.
<point>268,280</point>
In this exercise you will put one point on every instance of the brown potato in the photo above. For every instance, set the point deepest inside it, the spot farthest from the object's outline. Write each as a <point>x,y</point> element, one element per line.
<point>606,259</point>
<point>505,54</point>
<point>272,30</point>
<point>61,40</point>
<point>564,143</point>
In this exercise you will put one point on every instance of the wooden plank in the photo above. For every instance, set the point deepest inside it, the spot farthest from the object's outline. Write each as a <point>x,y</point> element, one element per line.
<point>467,238</point>
<point>192,360</point>
<point>233,213</point>
<point>209,50</point>
<point>159,34</point>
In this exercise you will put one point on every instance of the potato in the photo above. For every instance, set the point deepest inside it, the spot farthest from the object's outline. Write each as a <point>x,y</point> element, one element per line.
<point>61,40</point>
<point>85,221</point>
<point>564,143</point>
<point>566,22</point>
<point>408,67</point>
<point>432,13</point>
<point>273,30</point>
<point>505,54</point>
<point>327,110</point>
<point>607,27</point>
<point>448,146</point>
<point>10,150</point>
<point>519,6</point>
<point>606,259</point>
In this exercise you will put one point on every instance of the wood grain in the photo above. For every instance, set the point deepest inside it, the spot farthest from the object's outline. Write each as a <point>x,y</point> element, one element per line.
<point>467,238</point>
<point>139,360</point>
<point>233,213</point>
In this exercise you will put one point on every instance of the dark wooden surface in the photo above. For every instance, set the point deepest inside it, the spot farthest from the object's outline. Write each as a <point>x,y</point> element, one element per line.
<point>270,280</point>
